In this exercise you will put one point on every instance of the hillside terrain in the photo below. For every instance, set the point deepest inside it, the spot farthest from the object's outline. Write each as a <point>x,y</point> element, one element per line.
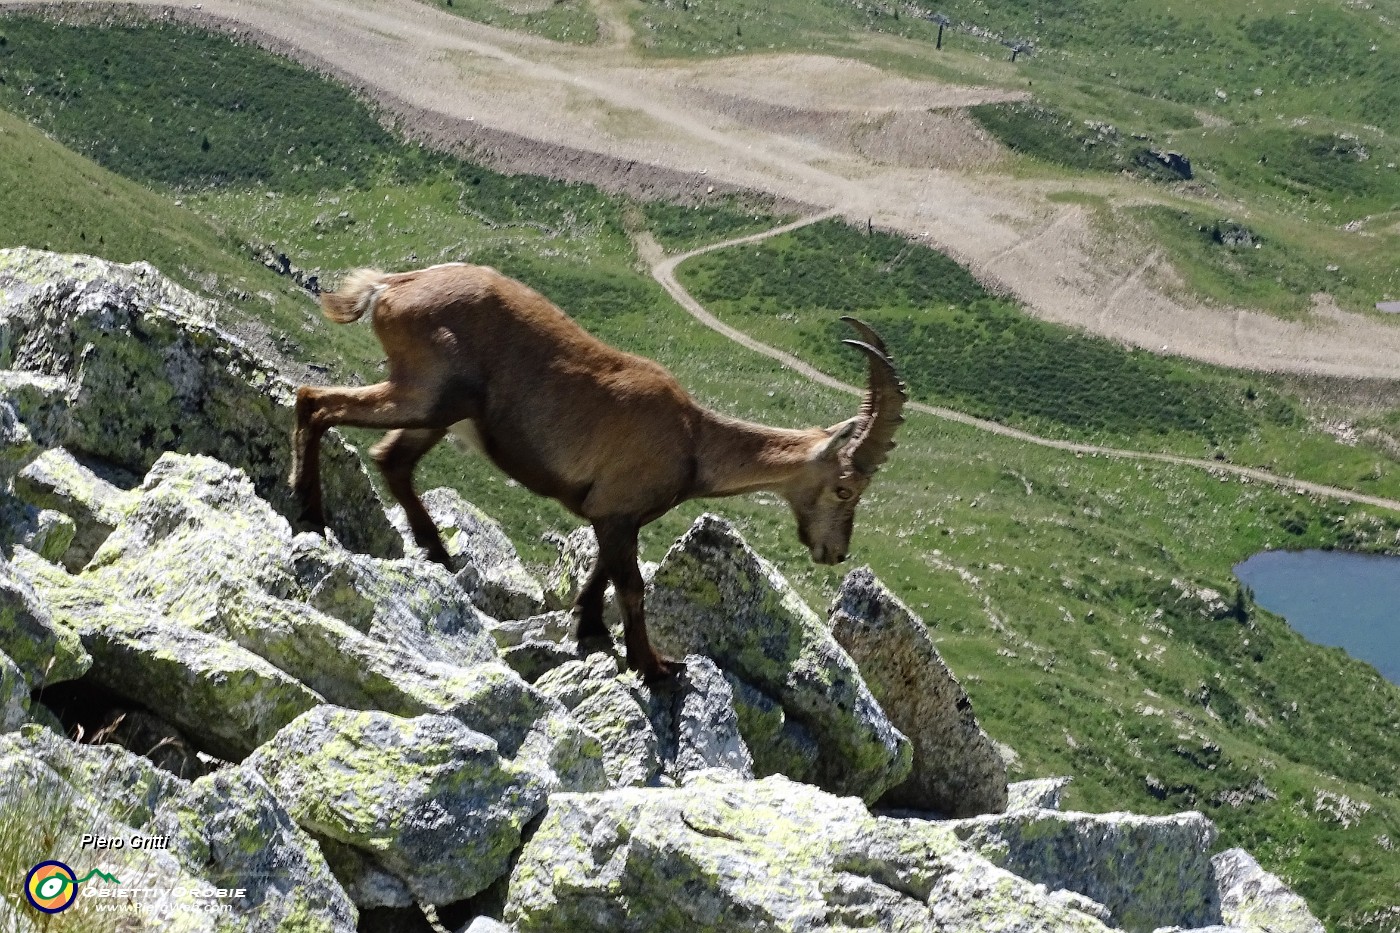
<point>882,137</point>
<point>1087,602</point>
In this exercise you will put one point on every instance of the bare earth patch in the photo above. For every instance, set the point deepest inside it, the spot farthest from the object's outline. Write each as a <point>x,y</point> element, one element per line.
<point>809,131</point>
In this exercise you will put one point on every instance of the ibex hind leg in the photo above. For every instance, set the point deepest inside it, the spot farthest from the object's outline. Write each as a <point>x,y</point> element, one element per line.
<point>592,632</point>
<point>396,455</point>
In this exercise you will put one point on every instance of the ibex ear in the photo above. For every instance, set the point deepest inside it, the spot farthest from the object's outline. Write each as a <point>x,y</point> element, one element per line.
<point>839,436</point>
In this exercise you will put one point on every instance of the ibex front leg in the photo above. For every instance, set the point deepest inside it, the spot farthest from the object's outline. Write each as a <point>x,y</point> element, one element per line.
<point>617,554</point>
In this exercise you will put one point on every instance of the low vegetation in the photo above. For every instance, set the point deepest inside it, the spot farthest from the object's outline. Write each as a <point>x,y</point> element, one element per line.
<point>1087,603</point>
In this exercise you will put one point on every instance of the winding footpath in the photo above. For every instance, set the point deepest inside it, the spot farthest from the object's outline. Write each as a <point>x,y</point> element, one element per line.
<point>663,269</point>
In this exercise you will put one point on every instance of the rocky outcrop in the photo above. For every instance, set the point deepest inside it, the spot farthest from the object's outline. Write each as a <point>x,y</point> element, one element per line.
<point>427,799</point>
<point>659,735</point>
<point>714,596</point>
<point>956,769</point>
<point>1147,871</point>
<point>487,565</point>
<point>345,730</point>
<point>1257,901</point>
<point>720,854</point>
<point>225,831</point>
<point>146,369</point>
<point>56,481</point>
<point>44,650</point>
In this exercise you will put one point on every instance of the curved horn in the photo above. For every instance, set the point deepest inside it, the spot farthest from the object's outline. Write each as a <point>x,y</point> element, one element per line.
<point>880,411</point>
<point>867,334</point>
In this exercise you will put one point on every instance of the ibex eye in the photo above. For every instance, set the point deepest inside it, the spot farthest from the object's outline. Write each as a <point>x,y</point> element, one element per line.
<point>844,493</point>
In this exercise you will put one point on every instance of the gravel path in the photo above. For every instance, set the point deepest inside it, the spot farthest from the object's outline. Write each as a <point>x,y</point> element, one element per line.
<point>663,269</point>
<point>775,124</point>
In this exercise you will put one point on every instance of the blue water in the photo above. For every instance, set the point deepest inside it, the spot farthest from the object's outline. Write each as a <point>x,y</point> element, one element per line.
<point>1351,601</point>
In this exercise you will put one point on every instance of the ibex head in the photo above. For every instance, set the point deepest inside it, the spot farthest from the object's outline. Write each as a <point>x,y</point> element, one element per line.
<point>825,494</point>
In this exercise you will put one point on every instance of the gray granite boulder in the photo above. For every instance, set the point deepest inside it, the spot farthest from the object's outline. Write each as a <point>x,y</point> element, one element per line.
<point>411,604</point>
<point>484,560</point>
<point>57,481</point>
<point>714,596</point>
<point>226,830</point>
<point>1257,901</point>
<point>427,798</point>
<point>956,769</point>
<point>721,854</point>
<point>1036,794</point>
<point>201,550</point>
<point>1148,871</point>
<point>14,695</point>
<point>34,413</point>
<point>46,651</point>
<point>226,697</point>
<point>648,735</point>
<point>150,371</point>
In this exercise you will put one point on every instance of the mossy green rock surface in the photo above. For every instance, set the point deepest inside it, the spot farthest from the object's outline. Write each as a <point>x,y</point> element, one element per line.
<point>1149,871</point>
<point>429,799</point>
<point>726,856</point>
<point>226,830</point>
<point>226,698</point>
<point>957,771</point>
<point>715,596</point>
<point>45,650</point>
<point>151,371</point>
<point>56,480</point>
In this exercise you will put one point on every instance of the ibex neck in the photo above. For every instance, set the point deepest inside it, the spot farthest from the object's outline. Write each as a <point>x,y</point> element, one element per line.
<point>739,456</point>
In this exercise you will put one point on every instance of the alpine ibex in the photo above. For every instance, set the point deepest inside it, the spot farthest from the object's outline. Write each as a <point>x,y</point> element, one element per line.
<point>611,436</point>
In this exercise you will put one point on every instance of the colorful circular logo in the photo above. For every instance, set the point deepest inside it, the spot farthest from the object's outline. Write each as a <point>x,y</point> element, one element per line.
<point>51,887</point>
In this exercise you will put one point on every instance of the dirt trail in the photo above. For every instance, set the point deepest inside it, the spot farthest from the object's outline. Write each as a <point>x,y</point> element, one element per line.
<point>663,269</point>
<point>803,129</point>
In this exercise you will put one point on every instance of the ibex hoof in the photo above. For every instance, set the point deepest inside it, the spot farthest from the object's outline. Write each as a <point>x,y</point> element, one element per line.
<point>661,673</point>
<point>596,644</point>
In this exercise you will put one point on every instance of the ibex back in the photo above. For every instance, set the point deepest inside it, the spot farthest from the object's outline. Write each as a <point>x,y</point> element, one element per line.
<point>612,436</point>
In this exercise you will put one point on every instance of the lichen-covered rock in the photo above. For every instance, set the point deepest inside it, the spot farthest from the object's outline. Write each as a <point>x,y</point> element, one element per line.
<point>45,532</point>
<point>778,745</point>
<point>487,565</point>
<point>56,480</point>
<point>1257,901</point>
<point>1149,871</point>
<point>49,805</point>
<point>46,651</point>
<point>592,691</point>
<point>956,768</point>
<point>14,695</point>
<point>486,925</point>
<point>714,596</point>
<point>225,830</point>
<point>427,798</point>
<point>653,735</point>
<point>536,645</point>
<point>725,855</point>
<point>152,372</point>
<point>227,698</point>
<point>1036,794</point>
<point>34,413</point>
<point>367,883</point>
<point>204,552</point>
<point>409,603</point>
<point>578,552</point>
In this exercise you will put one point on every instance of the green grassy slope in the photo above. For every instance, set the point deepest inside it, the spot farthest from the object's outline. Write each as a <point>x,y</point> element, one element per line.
<point>960,346</point>
<point>1064,590</point>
